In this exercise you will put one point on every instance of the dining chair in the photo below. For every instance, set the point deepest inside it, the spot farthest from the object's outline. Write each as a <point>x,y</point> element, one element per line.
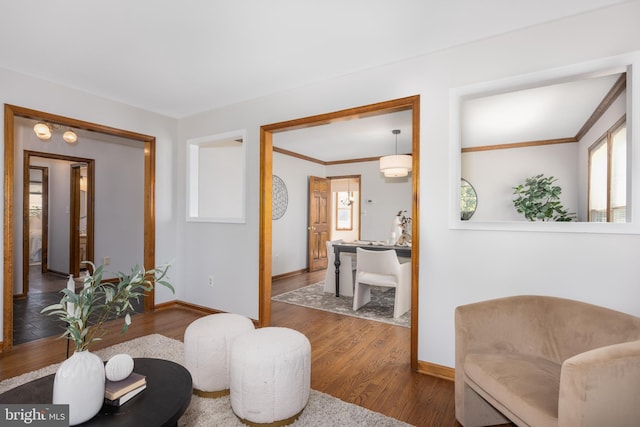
<point>382,268</point>
<point>347,271</point>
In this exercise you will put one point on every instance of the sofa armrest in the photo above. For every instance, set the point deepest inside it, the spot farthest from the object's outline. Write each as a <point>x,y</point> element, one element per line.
<point>601,387</point>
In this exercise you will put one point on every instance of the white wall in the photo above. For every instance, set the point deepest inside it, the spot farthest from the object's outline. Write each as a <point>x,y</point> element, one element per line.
<point>381,198</point>
<point>289,233</point>
<point>494,173</point>
<point>220,164</point>
<point>456,266</point>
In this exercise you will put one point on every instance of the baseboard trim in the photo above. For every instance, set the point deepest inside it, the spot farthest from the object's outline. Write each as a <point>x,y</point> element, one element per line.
<point>435,370</point>
<point>187,305</point>
<point>193,307</point>
<point>290,274</point>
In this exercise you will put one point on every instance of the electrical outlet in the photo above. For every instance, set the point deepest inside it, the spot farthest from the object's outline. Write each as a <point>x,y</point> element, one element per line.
<point>107,260</point>
<point>210,280</point>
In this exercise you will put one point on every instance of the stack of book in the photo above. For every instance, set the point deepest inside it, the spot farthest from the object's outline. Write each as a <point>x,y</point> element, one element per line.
<point>117,393</point>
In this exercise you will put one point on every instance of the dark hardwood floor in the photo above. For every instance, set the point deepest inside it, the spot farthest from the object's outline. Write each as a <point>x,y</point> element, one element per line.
<point>29,324</point>
<point>359,361</point>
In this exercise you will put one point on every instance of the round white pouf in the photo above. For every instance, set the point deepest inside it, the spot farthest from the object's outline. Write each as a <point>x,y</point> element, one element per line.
<point>207,348</point>
<point>270,376</point>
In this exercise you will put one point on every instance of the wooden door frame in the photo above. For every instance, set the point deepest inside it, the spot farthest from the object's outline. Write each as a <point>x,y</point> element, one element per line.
<point>358,177</point>
<point>266,170</point>
<point>149,145</point>
<point>74,215</point>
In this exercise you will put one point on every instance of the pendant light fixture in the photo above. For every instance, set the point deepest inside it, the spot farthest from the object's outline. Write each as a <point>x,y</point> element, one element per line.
<point>398,165</point>
<point>350,197</point>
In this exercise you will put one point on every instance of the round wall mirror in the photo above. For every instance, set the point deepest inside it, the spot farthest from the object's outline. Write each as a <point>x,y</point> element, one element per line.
<point>468,200</point>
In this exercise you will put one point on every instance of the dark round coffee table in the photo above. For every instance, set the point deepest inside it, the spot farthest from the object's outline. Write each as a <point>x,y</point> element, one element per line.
<point>165,399</point>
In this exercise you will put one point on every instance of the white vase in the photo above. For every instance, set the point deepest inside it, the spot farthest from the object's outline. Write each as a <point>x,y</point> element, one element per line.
<point>79,382</point>
<point>396,229</point>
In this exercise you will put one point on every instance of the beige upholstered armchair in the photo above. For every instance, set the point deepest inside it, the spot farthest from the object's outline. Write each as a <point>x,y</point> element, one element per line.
<point>546,361</point>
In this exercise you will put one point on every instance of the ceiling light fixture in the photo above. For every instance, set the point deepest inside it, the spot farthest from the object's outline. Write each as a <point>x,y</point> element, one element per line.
<point>397,165</point>
<point>350,197</point>
<point>44,131</point>
<point>70,137</point>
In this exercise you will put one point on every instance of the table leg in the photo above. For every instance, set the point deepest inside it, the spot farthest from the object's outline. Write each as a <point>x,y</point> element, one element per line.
<point>336,262</point>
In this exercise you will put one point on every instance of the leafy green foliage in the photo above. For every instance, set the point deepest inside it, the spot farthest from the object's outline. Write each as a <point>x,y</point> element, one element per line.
<point>539,200</point>
<point>99,301</point>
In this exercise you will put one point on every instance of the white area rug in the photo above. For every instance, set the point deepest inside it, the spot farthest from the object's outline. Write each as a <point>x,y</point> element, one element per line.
<point>322,409</point>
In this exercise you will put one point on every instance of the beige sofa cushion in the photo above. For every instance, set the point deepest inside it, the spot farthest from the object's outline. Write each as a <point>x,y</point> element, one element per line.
<point>528,386</point>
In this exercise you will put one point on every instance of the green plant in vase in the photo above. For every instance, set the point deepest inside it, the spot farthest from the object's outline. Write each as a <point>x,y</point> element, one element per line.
<point>85,312</point>
<point>80,379</point>
<point>539,200</point>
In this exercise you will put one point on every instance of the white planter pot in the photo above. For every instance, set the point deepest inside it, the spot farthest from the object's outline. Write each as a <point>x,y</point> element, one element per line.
<point>79,382</point>
<point>396,230</point>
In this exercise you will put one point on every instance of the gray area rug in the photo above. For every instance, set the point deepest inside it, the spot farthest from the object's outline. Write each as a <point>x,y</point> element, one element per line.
<point>380,308</point>
<point>322,409</point>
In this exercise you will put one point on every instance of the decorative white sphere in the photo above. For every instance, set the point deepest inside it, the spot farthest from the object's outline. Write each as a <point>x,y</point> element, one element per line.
<point>118,367</point>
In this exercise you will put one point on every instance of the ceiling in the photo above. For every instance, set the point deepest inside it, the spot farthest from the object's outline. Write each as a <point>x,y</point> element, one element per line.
<point>546,112</point>
<point>181,58</point>
<point>352,139</point>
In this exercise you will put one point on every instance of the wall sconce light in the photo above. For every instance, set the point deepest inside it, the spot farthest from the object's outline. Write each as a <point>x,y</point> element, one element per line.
<point>397,165</point>
<point>44,131</point>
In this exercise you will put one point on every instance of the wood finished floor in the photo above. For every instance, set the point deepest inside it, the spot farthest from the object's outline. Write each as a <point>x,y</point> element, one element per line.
<point>359,361</point>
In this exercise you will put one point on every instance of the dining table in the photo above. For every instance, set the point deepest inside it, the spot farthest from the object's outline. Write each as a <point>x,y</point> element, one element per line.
<point>351,247</point>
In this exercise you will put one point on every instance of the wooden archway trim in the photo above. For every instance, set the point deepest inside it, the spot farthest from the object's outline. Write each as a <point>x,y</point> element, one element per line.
<point>266,170</point>
<point>149,145</point>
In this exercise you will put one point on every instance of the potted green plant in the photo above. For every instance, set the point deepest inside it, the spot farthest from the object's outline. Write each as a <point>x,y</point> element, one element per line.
<point>79,381</point>
<point>539,200</point>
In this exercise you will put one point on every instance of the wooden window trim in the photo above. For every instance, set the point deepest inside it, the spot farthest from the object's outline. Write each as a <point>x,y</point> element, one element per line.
<point>606,138</point>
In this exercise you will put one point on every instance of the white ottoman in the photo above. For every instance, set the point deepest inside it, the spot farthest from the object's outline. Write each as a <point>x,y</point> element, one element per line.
<point>270,376</point>
<point>207,348</point>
